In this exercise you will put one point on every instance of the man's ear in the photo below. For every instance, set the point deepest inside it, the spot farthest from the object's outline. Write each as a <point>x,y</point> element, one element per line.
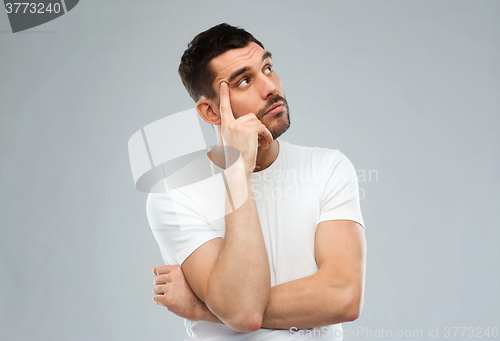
<point>208,112</point>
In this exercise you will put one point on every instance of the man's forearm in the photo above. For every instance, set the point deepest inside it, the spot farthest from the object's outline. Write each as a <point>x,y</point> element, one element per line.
<point>308,303</point>
<point>239,285</point>
<point>302,303</point>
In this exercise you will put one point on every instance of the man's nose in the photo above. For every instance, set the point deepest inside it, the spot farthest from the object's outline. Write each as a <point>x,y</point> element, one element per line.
<point>268,87</point>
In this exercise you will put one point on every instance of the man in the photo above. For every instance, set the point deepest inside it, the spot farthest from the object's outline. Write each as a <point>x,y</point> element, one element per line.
<point>291,256</point>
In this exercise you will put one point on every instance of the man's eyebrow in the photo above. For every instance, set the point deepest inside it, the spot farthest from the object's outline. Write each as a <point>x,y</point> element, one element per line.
<point>266,55</point>
<point>237,73</point>
<point>246,68</point>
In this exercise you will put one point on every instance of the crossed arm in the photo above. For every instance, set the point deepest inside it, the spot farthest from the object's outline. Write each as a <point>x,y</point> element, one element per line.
<point>334,294</point>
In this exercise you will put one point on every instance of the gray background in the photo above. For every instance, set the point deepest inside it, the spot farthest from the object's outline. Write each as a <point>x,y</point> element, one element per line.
<point>409,89</point>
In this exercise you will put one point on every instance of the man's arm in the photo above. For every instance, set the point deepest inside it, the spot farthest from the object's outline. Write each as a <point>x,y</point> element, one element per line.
<point>231,275</point>
<point>332,295</point>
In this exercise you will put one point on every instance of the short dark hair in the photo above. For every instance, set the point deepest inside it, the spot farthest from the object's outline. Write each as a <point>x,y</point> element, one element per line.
<point>195,70</point>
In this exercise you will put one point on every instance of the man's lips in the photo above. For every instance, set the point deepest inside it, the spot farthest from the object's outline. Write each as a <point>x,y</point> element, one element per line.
<point>278,107</point>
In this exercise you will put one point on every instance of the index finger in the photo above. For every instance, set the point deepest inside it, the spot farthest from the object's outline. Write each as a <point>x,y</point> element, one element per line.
<point>225,104</point>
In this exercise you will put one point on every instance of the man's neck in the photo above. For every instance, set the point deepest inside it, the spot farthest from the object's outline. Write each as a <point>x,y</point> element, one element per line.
<point>265,157</point>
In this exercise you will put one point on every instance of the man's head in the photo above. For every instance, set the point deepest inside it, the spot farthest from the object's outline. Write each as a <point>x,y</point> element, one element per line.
<point>229,54</point>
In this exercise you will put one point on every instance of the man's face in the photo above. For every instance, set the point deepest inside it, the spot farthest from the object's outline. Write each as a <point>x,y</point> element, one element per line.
<point>254,87</point>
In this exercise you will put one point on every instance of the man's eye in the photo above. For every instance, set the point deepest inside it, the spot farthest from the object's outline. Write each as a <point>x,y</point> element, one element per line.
<point>268,69</point>
<point>243,82</point>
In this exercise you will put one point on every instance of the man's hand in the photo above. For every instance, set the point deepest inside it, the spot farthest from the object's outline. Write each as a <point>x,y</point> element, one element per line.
<point>173,292</point>
<point>245,133</point>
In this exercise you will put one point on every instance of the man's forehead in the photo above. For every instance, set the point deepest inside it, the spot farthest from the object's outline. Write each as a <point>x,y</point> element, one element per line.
<point>232,60</point>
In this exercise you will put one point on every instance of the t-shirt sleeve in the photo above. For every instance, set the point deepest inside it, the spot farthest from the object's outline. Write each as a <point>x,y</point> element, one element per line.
<point>338,188</point>
<point>178,225</point>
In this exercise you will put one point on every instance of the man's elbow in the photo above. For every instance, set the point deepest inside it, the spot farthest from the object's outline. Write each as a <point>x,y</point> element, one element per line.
<point>240,317</point>
<point>244,320</point>
<point>245,323</point>
<point>353,308</point>
<point>352,314</point>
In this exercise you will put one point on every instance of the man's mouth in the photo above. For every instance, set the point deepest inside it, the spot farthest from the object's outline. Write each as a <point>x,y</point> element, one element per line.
<point>278,107</point>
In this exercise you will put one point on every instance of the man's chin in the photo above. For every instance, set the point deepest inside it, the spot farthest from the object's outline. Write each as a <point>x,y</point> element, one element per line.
<point>279,128</point>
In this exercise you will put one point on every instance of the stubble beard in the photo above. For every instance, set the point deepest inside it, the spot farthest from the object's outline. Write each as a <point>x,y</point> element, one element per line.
<point>280,122</point>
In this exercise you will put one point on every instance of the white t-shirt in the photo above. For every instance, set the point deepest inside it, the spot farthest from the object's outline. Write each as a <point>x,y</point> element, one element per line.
<point>301,188</point>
